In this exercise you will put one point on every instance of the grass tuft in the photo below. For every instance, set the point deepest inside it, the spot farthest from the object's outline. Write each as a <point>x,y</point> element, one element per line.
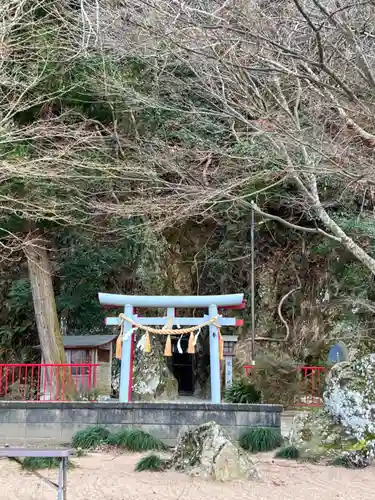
<point>151,463</point>
<point>90,438</point>
<point>127,438</point>
<point>288,453</point>
<point>260,439</point>
<point>35,463</point>
<point>242,392</point>
<point>137,440</point>
<point>119,438</point>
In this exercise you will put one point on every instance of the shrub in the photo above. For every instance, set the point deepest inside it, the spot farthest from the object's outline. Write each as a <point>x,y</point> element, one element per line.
<point>90,438</point>
<point>151,463</point>
<point>275,377</point>
<point>242,392</point>
<point>288,453</point>
<point>35,463</point>
<point>136,440</point>
<point>260,439</point>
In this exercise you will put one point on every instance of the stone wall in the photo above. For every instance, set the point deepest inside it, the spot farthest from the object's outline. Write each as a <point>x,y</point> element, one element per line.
<point>55,423</point>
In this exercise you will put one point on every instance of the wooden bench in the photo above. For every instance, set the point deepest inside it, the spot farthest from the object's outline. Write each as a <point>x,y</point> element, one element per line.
<point>61,454</point>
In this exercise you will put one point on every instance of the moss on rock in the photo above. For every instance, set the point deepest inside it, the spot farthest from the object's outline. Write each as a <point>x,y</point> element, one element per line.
<point>344,431</point>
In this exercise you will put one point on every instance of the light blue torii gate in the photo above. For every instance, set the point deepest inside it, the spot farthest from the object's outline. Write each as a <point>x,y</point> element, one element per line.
<point>211,302</point>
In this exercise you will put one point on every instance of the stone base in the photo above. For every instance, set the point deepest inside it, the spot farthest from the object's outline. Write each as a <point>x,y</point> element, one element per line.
<point>58,422</point>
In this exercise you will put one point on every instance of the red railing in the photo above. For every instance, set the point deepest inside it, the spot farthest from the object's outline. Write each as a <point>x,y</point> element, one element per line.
<point>47,382</point>
<point>309,385</point>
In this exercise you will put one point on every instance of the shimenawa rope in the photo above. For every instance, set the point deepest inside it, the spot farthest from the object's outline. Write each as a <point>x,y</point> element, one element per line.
<point>166,331</point>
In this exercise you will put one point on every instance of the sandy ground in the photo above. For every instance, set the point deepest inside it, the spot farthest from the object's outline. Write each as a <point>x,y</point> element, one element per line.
<point>107,477</point>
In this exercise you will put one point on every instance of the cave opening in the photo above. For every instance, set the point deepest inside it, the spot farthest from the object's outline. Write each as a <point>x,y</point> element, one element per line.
<point>183,366</point>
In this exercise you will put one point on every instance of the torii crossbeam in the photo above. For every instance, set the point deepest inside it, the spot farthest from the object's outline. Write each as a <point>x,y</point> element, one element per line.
<point>211,302</point>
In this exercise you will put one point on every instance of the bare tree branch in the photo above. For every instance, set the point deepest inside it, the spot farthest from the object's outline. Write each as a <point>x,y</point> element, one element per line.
<point>291,225</point>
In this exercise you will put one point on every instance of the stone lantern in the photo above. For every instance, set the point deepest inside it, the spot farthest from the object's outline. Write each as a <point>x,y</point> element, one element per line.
<point>229,345</point>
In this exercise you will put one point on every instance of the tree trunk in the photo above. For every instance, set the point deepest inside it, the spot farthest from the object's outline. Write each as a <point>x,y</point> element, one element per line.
<point>58,384</point>
<point>44,302</point>
<point>357,251</point>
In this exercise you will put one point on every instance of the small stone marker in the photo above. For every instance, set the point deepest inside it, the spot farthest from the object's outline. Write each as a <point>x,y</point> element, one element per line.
<point>338,353</point>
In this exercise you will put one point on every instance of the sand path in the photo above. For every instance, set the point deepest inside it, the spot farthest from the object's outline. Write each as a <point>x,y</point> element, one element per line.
<point>107,477</point>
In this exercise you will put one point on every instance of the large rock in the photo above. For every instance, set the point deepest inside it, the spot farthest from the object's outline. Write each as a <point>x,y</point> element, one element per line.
<point>152,380</point>
<point>316,435</point>
<point>207,452</point>
<point>345,429</point>
<point>350,396</point>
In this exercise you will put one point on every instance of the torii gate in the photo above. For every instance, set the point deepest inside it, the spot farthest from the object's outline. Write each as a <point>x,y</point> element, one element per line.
<point>214,303</point>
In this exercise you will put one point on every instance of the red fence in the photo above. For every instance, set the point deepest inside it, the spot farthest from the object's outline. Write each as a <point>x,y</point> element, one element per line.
<point>47,382</point>
<point>309,385</point>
